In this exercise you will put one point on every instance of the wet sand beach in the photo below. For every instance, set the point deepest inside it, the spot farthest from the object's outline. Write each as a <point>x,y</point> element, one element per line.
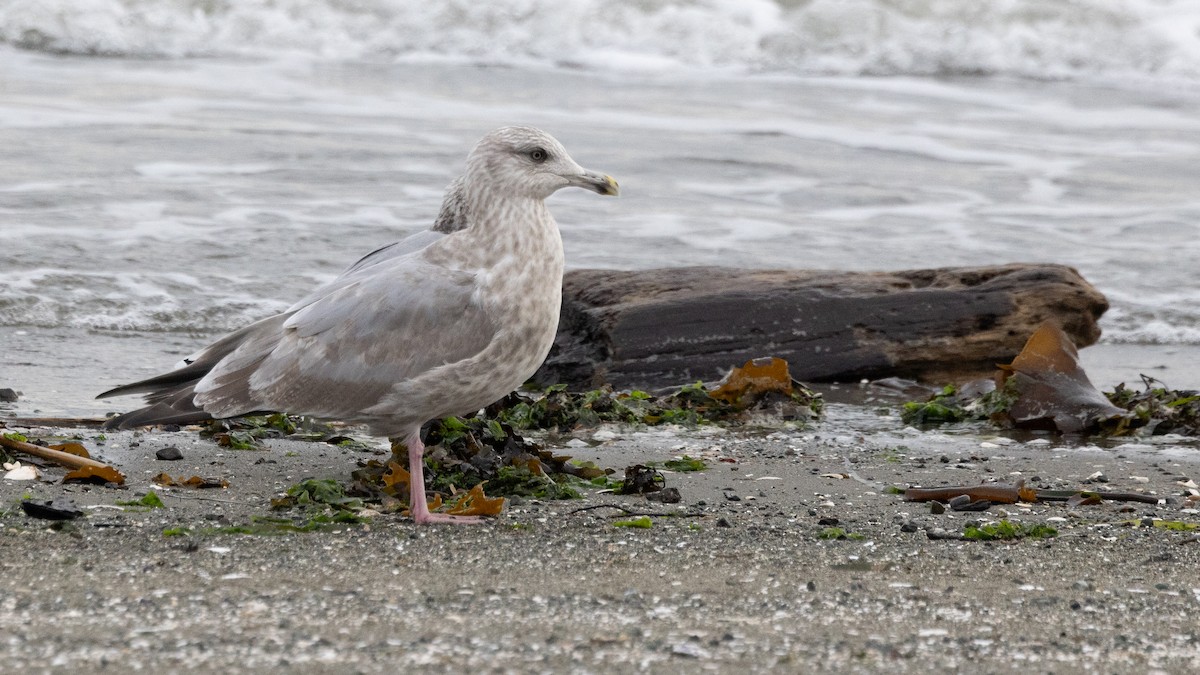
<point>740,574</point>
<point>740,578</point>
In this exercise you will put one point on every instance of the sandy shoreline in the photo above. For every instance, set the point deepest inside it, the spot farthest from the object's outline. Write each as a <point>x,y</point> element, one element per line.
<point>743,583</point>
<point>740,578</point>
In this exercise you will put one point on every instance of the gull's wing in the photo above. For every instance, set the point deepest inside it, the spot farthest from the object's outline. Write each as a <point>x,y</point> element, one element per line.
<point>171,394</point>
<point>196,366</point>
<point>342,352</point>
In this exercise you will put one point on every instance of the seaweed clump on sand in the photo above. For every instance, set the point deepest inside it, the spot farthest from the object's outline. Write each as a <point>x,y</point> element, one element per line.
<point>1159,410</point>
<point>248,432</point>
<point>760,389</point>
<point>465,456</point>
<point>489,449</point>
<point>1045,388</point>
<point>977,402</point>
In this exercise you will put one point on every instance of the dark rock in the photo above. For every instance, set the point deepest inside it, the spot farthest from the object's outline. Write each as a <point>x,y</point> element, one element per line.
<point>668,495</point>
<point>8,395</point>
<point>61,508</point>
<point>664,327</point>
<point>170,454</point>
<point>723,522</point>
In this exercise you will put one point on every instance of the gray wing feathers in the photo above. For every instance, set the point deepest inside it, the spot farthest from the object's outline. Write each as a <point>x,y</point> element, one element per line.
<point>344,344</point>
<point>196,366</point>
<point>343,352</point>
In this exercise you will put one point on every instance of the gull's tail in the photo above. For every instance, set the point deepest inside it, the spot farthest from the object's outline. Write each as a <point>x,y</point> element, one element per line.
<point>171,395</point>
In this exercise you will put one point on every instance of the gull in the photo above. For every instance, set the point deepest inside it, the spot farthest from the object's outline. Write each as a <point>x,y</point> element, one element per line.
<point>441,323</point>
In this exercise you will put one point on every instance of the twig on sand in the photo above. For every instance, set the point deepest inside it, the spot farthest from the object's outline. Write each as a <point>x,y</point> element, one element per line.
<point>57,456</point>
<point>997,493</point>
<point>1064,495</point>
<point>52,422</point>
<point>1003,493</point>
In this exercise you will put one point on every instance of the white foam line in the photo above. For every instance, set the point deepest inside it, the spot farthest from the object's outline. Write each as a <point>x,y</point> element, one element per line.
<point>186,170</point>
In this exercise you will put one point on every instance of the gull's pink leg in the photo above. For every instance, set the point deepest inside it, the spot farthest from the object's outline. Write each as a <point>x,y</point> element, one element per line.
<point>417,505</point>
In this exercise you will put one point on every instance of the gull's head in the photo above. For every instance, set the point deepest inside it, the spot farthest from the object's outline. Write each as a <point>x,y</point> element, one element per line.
<point>530,163</point>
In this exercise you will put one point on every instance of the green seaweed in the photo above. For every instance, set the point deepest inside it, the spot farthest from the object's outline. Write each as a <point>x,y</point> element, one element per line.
<point>606,483</point>
<point>641,522</point>
<point>685,464</point>
<point>246,433</point>
<point>690,405</point>
<point>944,407</point>
<point>150,501</point>
<point>317,492</point>
<point>485,449</point>
<point>450,429</point>
<point>281,422</point>
<point>1159,410</point>
<point>355,445</point>
<point>496,431</point>
<point>1007,530</point>
<point>839,533</point>
<point>240,440</point>
<point>519,480</point>
<point>1154,410</point>
<point>489,448</point>
<point>445,481</point>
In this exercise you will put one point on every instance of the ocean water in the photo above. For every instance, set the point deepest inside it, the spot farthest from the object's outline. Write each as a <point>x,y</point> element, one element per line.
<point>173,169</point>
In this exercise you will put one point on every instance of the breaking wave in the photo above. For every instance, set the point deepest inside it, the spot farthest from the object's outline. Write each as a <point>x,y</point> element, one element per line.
<point>1023,38</point>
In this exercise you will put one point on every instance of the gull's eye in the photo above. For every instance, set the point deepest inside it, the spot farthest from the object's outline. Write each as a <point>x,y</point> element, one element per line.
<point>538,155</point>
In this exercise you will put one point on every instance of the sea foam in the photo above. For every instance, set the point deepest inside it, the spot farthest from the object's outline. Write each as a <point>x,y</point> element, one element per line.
<point>1025,38</point>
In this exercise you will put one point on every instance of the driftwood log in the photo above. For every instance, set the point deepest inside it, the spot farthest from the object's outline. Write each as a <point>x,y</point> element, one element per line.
<point>663,327</point>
